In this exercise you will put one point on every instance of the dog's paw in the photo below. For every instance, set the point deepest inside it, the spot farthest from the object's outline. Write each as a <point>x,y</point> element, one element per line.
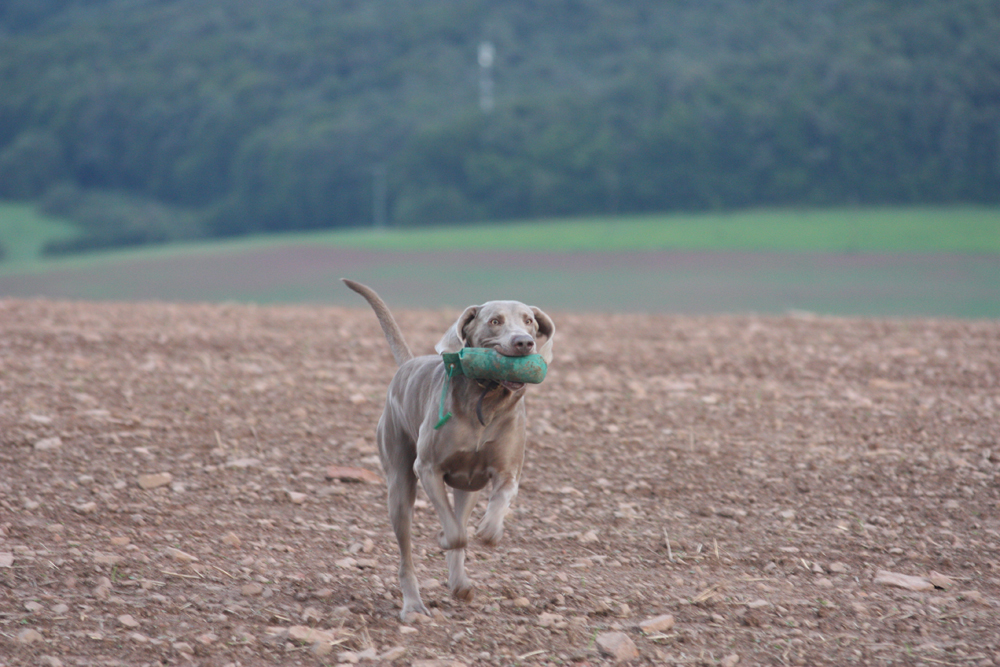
<point>414,612</point>
<point>460,542</point>
<point>489,534</point>
<point>464,591</point>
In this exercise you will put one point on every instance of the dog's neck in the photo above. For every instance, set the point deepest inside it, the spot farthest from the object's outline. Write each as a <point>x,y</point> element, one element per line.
<point>483,399</point>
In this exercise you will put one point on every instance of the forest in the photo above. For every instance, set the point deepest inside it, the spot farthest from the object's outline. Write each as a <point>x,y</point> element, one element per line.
<point>148,121</point>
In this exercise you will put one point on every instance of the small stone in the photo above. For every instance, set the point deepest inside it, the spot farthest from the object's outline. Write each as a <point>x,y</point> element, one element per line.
<point>368,545</point>
<point>617,646</point>
<point>85,508</point>
<point>138,637</point>
<point>972,595</point>
<point>183,647</point>
<point>243,463</point>
<point>48,443</point>
<point>296,497</point>
<point>395,653</point>
<point>589,537</point>
<point>207,638</point>
<point>838,568</point>
<point>940,581</point>
<point>660,623</point>
<point>308,635</point>
<point>758,603</point>
<point>252,589</point>
<point>155,480</point>
<point>624,610</point>
<point>29,636</point>
<point>730,660</point>
<point>346,563</point>
<point>522,602</point>
<point>32,606</point>
<point>349,657</point>
<point>602,607</point>
<point>787,515</point>
<point>353,475</point>
<point>60,609</point>
<point>321,649</point>
<point>407,630</point>
<point>103,588</point>
<point>860,609</point>
<point>50,661</point>
<point>903,581</point>
<point>231,539</point>
<point>107,559</point>
<point>6,559</point>
<point>547,620</point>
<point>121,541</point>
<point>128,621</point>
<point>368,654</point>
<point>180,556</point>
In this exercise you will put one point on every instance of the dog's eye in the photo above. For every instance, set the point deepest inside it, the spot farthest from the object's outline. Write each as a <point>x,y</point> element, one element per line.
<point>495,321</point>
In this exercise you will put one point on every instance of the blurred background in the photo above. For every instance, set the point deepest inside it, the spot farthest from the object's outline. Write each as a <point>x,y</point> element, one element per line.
<point>834,156</point>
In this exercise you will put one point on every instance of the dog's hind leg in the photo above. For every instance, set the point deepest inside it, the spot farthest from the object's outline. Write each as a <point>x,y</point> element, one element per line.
<point>402,486</point>
<point>459,583</point>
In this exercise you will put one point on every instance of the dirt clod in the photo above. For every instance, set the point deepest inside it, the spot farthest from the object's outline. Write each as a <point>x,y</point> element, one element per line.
<point>617,645</point>
<point>661,623</point>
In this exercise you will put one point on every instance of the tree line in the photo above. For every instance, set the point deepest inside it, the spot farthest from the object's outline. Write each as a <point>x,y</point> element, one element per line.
<point>152,120</point>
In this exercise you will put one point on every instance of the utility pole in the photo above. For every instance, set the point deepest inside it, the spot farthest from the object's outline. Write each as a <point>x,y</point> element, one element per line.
<point>380,193</point>
<point>486,56</point>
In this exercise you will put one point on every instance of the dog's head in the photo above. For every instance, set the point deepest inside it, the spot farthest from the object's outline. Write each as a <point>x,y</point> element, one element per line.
<point>509,327</point>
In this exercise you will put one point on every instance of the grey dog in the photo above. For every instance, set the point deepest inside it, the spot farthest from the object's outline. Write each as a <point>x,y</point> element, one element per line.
<point>482,444</point>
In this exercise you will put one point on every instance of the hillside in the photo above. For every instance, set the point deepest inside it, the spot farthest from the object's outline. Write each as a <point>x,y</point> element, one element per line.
<point>151,121</point>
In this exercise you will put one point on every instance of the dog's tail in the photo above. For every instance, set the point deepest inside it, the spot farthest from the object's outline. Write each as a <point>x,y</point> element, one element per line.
<point>393,334</point>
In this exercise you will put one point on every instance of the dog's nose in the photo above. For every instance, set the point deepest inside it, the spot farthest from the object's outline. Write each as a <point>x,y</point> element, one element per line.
<point>523,344</point>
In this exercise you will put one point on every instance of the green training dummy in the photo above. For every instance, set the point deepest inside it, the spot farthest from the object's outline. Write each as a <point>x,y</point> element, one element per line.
<point>480,363</point>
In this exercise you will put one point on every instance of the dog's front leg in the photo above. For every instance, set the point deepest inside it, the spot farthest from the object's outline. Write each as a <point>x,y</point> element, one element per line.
<point>490,529</point>
<point>458,581</point>
<point>453,535</point>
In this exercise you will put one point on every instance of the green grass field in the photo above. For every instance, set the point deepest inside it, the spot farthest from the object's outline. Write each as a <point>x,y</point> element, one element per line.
<point>24,232</point>
<point>960,229</point>
<point>871,262</point>
<point>971,230</point>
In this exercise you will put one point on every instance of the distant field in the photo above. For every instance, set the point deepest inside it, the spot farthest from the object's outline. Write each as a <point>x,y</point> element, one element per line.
<point>873,262</point>
<point>962,229</point>
<point>957,229</point>
<point>24,231</point>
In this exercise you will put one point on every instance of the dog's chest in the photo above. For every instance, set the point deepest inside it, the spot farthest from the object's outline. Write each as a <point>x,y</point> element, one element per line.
<point>467,470</point>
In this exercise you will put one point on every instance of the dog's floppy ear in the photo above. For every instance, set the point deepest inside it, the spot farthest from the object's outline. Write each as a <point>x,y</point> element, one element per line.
<point>455,338</point>
<point>546,331</point>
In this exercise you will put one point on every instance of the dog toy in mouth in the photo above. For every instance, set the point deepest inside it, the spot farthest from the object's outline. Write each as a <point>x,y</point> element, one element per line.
<point>480,363</point>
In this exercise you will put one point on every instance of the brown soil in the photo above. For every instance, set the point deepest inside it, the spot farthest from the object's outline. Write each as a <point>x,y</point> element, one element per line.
<point>750,476</point>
